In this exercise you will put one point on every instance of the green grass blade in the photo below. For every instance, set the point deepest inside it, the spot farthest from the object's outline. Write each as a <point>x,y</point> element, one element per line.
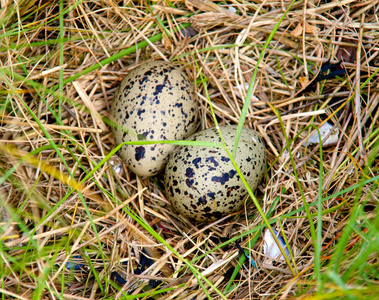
<point>61,56</point>
<point>252,82</point>
<point>251,244</point>
<point>117,56</point>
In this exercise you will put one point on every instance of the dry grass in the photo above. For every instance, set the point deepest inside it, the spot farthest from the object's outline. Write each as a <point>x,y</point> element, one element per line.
<point>54,134</point>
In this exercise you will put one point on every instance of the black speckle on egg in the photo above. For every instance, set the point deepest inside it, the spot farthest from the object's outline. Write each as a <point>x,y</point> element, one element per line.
<point>211,195</point>
<point>171,190</point>
<point>225,159</point>
<point>189,172</point>
<point>140,153</point>
<point>212,161</point>
<point>140,111</point>
<point>224,177</point>
<point>202,200</point>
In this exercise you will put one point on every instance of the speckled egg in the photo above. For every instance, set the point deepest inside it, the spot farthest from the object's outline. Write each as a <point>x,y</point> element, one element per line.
<point>154,102</point>
<point>201,182</point>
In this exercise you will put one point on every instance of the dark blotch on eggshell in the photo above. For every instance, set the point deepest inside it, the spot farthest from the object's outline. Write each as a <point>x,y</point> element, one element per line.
<point>140,153</point>
<point>210,186</point>
<point>224,177</point>
<point>154,102</point>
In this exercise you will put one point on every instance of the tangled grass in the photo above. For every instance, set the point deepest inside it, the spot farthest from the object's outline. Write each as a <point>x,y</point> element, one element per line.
<point>72,225</point>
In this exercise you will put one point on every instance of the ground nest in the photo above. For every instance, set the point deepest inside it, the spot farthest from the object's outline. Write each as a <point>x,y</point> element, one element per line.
<point>77,224</point>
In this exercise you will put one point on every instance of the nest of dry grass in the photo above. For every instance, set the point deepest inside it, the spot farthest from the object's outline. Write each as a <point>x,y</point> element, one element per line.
<point>51,73</point>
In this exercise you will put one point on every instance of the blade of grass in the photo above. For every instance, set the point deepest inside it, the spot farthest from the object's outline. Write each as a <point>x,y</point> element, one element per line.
<point>148,294</point>
<point>251,244</point>
<point>70,177</point>
<point>37,44</point>
<point>260,210</point>
<point>42,279</point>
<point>117,56</point>
<point>196,273</point>
<point>61,57</point>
<point>312,227</point>
<point>29,27</point>
<point>77,186</point>
<point>252,81</point>
<point>250,192</point>
<point>288,215</point>
<point>356,212</point>
<point>281,71</point>
<point>318,242</point>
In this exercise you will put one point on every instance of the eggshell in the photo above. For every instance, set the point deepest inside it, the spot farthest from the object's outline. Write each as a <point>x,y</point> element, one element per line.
<point>202,183</point>
<point>154,102</point>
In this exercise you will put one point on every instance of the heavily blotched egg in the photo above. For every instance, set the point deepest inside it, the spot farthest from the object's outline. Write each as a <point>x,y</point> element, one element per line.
<point>154,102</point>
<point>202,183</point>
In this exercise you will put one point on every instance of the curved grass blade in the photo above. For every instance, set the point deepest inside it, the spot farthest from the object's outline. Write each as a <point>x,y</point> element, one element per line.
<point>251,85</point>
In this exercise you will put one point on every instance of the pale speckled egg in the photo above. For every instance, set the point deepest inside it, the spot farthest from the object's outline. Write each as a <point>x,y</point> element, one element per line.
<point>201,182</point>
<point>154,102</point>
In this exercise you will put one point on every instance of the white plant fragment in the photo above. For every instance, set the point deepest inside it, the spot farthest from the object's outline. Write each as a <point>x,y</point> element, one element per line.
<point>241,89</point>
<point>271,249</point>
<point>116,165</point>
<point>325,129</point>
<point>232,9</point>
